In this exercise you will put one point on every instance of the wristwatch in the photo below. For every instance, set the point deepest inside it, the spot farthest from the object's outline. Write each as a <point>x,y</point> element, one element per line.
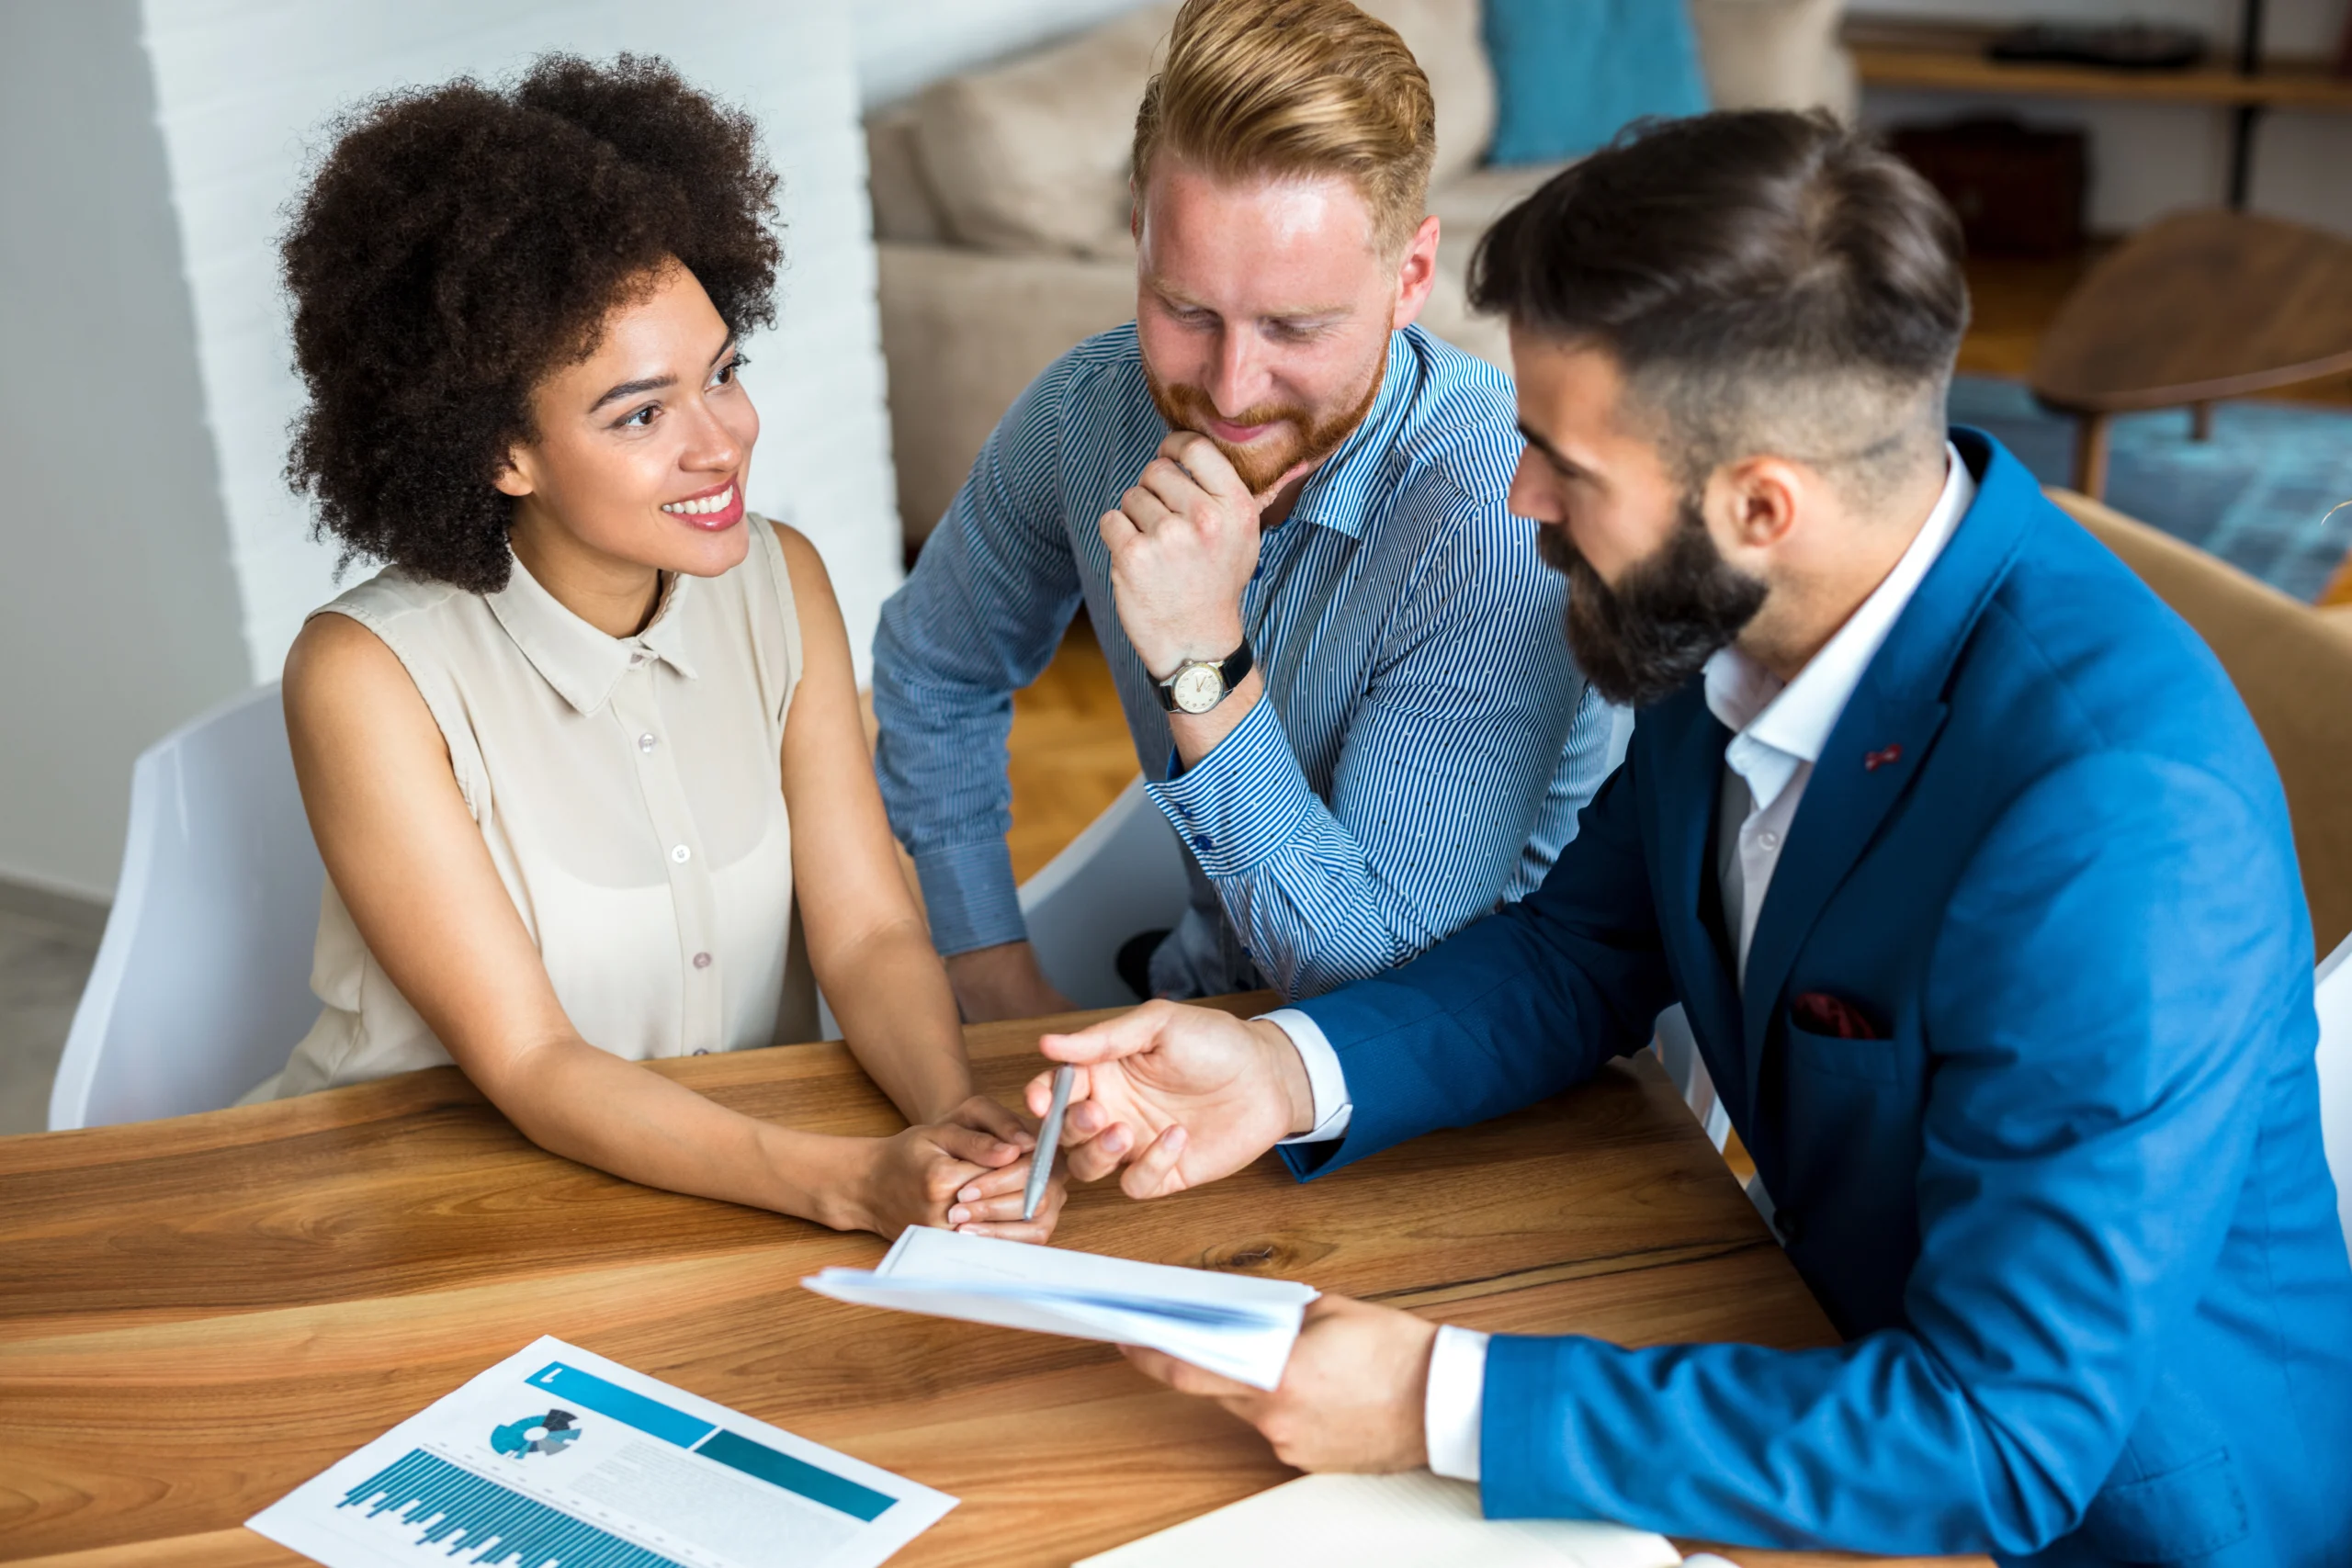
<point>1199,684</point>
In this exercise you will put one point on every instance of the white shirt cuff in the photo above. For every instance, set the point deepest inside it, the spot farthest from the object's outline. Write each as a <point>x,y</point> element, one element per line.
<point>1325,1079</point>
<point>1456,1403</point>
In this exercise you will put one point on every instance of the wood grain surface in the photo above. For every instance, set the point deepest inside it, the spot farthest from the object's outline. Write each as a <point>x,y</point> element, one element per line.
<point>197,1314</point>
<point>2199,306</point>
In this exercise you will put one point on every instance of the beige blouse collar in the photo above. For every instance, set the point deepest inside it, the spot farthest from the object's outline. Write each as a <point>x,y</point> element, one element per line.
<point>581,663</point>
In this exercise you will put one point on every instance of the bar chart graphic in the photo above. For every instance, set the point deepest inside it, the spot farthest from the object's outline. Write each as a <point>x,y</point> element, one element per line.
<point>713,1441</point>
<point>494,1524</point>
<point>558,1457</point>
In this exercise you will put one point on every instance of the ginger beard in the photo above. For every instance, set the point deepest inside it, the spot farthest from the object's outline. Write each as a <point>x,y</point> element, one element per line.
<point>1296,436</point>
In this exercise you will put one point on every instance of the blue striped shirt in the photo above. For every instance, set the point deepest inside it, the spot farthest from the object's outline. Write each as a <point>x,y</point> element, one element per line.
<point>1424,742</point>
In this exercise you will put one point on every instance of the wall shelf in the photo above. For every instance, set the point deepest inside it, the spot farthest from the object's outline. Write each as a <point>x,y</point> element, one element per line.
<point>1951,58</point>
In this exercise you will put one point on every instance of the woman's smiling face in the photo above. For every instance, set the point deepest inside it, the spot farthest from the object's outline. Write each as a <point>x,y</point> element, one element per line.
<point>643,447</point>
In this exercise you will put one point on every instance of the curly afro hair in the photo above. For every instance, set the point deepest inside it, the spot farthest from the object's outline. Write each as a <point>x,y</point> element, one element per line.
<point>460,243</point>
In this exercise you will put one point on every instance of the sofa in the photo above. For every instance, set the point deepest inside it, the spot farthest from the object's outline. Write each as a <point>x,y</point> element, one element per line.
<point>1001,202</point>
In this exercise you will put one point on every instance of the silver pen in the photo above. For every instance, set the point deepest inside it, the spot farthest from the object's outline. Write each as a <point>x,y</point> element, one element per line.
<point>1049,1137</point>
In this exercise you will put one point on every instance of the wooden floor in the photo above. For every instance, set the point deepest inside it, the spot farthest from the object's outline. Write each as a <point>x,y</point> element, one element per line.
<point>1072,752</point>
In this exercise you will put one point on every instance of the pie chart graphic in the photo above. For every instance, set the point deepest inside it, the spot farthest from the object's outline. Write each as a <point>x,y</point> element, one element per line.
<point>550,1433</point>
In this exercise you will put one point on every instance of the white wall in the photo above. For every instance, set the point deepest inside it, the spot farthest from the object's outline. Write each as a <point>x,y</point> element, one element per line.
<point>244,89</point>
<point>904,44</point>
<point>120,615</point>
<point>2148,159</point>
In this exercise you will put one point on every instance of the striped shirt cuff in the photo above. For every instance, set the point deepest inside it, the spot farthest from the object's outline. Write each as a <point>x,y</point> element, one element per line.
<point>1242,802</point>
<point>969,897</point>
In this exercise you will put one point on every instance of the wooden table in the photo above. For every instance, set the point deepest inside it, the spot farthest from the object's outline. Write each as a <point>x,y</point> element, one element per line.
<point>197,1314</point>
<point>2194,309</point>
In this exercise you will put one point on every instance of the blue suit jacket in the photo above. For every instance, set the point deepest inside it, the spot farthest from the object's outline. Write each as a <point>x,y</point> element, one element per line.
<point>2071,1214</point>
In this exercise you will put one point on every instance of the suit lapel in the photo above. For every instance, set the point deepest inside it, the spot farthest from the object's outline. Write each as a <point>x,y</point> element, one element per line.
<point>1874,754</point>
<point>1889,727</point>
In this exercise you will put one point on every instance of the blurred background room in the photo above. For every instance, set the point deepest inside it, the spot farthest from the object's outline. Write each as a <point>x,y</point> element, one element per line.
<point>2157,195</point>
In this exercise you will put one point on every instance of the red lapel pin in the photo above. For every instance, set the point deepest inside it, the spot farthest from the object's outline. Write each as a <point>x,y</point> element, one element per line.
<point>1873,761</point>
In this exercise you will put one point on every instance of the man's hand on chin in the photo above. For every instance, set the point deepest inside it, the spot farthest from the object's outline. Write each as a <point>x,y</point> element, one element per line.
<point>1351,1398</point>
<point>1183,541</point>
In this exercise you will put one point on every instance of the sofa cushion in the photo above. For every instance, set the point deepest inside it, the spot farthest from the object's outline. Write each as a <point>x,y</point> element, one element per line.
<point>1032,156</point>
<point>963,334</point>
<point>1775,54</point>
<point>1443,35</point>
<point>1570,73</point>
<point>904,208</point>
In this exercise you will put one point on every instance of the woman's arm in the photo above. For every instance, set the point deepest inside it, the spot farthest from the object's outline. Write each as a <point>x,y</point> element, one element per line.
<point>867,938</point>
<point>410,865</point>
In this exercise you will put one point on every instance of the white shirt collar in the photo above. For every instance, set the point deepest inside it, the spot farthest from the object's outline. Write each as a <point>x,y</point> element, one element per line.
<point>1779,728</point>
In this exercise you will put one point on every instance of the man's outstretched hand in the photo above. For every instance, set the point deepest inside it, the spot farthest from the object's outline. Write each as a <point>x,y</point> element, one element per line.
<point>1179,1095</point>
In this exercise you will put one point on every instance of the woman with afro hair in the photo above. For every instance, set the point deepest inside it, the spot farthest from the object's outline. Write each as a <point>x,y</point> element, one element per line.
<point>569,755</point>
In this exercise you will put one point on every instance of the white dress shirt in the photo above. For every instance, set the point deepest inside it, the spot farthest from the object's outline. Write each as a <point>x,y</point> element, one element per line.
<point>1779,729</point>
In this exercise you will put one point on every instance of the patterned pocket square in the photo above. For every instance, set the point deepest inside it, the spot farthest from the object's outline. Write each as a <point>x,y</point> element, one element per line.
<point>1833,1016</point>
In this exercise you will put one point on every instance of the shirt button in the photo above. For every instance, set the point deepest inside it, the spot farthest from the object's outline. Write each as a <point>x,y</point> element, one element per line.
<point>682,855</point>
<point>646,743</point>
<point>702,960</point>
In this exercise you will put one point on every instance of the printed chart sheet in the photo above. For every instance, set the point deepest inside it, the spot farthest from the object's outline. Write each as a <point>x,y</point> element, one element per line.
<point>557,1458</point>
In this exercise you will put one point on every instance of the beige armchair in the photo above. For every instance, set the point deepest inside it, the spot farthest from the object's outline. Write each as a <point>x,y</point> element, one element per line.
<point>1001,203</point>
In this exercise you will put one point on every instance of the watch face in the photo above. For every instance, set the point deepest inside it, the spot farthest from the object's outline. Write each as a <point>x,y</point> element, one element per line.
<point>1198,688</point>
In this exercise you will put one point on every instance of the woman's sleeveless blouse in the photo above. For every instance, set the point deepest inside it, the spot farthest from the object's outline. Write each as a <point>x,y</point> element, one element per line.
<point>630,792</point>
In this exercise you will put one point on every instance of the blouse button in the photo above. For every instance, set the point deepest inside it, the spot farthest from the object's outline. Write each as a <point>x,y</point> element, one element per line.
<point>702,960</point>
<point>682,855</point>
<point>645,743</point>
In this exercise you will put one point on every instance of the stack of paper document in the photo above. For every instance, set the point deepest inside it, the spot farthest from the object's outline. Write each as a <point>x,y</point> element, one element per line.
<point>1415,1520</point>
<point>1231,1324</point>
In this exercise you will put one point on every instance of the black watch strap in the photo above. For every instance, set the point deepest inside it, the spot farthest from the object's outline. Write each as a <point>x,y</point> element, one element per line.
<point>1233,669</point>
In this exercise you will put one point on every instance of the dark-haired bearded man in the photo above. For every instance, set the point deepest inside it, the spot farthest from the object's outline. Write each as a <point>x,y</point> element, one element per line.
<point>1974,878</point>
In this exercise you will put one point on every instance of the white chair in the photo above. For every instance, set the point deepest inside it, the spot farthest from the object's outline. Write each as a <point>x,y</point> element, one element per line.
<point>2334,995</point>
<point>201,984</point>
<point>1124,876</point>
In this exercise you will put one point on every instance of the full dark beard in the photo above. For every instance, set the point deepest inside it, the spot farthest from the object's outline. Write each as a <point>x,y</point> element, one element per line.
<point>1642,639</point>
